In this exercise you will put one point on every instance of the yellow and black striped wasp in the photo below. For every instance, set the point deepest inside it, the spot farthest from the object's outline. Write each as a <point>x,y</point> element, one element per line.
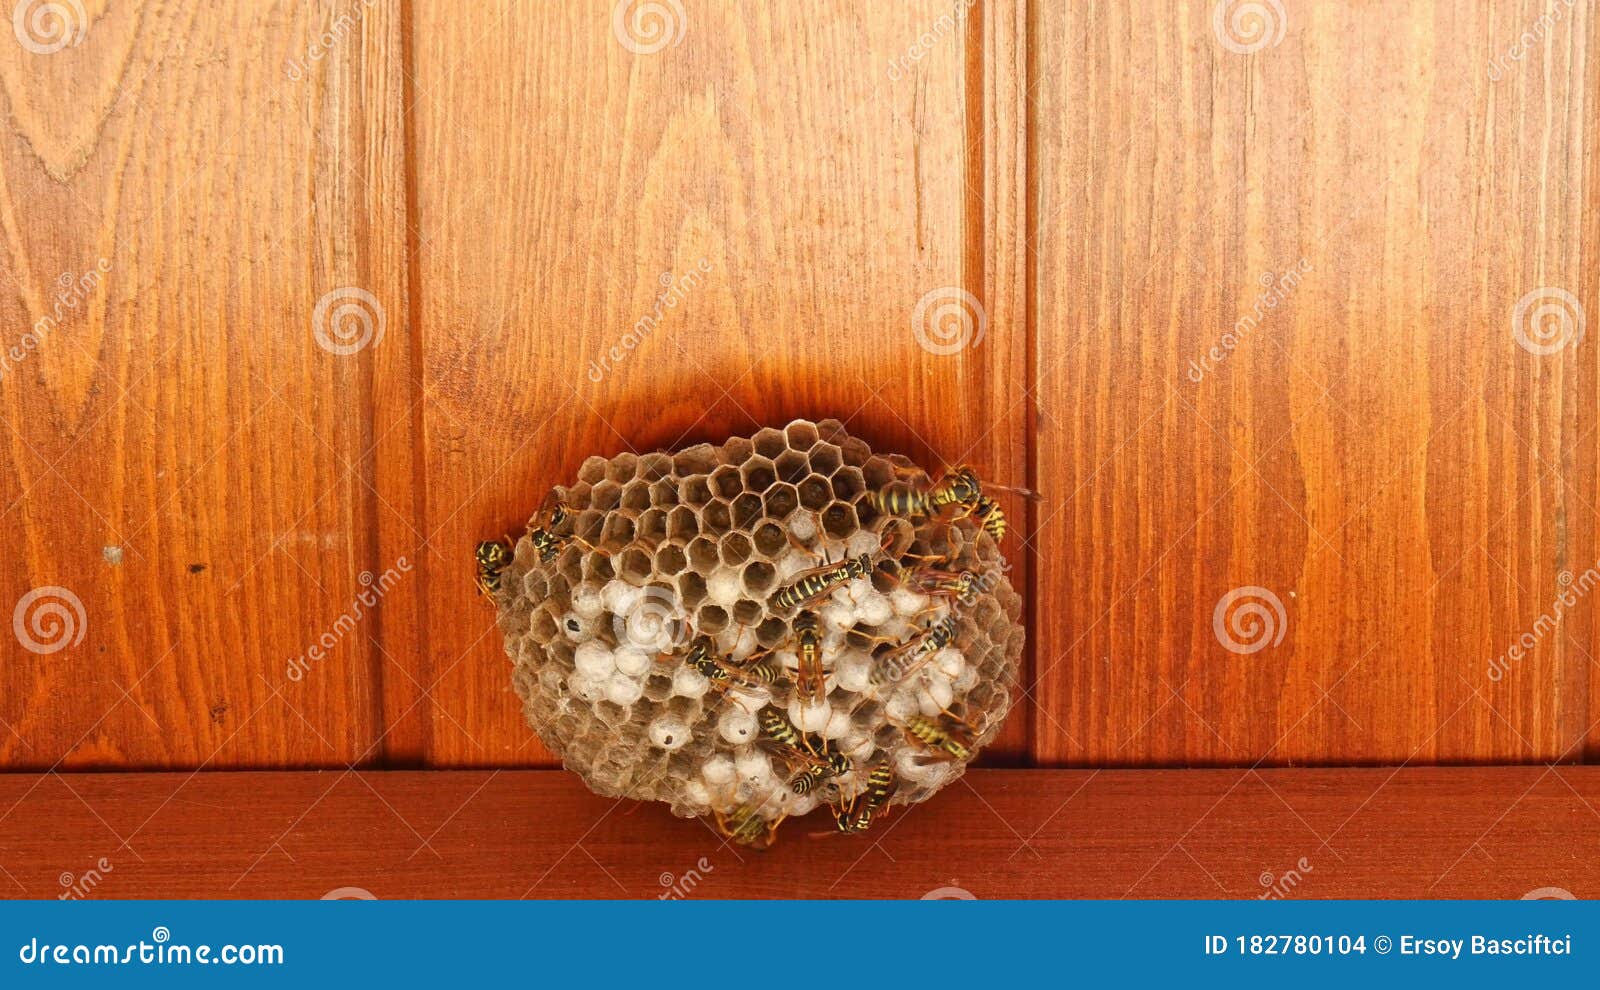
<point>816,760</point>
<point>856,815</point>
<point>493,556</point>
<point>744,826</point>
<point>811,585</point>
<point>548,541</point>
<point>810,681</point>
<point>907,658</point>
<point>946,735</point>
<point>755,671</point>
<point>958,487</point>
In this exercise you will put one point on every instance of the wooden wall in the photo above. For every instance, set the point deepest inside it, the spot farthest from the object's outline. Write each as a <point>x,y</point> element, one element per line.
<point>1113,186</point>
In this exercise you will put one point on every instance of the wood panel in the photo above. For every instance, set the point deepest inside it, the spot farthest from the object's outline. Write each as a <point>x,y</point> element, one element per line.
<point>1348,205</point>
<point>180,454</point>
<point>1364,833</point>
<point>817,170</point>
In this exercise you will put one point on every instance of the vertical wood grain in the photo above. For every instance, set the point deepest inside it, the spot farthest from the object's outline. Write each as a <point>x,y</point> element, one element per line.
<point>180,453</point>
<point>561,175</point>
<point>1377,455</point>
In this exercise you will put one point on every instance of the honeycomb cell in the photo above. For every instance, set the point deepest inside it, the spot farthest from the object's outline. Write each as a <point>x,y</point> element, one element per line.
<point>757,475</point>
<point>652,526</point>
<point>703,554</point>
<point>593,470</point>
<point>735,549</point>
<point>839,520</point>
<point>682,524</point>
<point>791,466</point>
<point>815,493</point>
<point>653,466</point>
<point>745,510</point>
<point>800,435</point>
<point>671,559</point>
<point>688,549</point>
<point>695,492</point>
<point>606,495</point>
<point>825,459</point>
<point>618,531</point>
<point>635,496</point>
<point>848,483</point>
<point>780,500</point>
<point>769,443</point>
<point>718,516</point>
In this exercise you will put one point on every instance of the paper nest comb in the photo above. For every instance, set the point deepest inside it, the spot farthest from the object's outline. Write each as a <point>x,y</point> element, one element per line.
<point>668,548</point>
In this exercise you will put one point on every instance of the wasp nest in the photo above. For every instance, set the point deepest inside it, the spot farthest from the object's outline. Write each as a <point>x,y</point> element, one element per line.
<point>753,630</point>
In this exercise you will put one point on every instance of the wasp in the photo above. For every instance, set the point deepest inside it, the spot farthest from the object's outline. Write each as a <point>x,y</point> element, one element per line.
<point>816,759</point>
<point>947,734</point>
<point>942,583</point>
<point>723,671</point>
<point>959,487</point>
<point>809,679</point>
<point>548,542</point>
<point>745,827</point>
<point>856,816</point>
<point>813,584</point>
<point>493,556</point>
<point>905,659</point>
